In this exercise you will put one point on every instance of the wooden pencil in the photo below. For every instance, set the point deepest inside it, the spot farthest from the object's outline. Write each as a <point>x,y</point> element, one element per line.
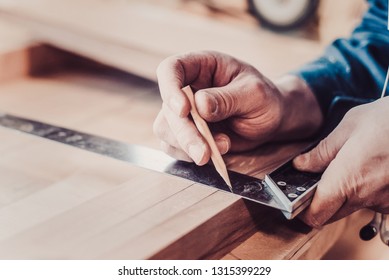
<point>203,128</point>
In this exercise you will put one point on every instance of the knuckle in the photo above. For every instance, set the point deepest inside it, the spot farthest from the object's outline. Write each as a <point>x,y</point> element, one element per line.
<point>259,87</point>
<point>245,128</point>
<point>323,151</point>
<point>264,88</point>
<point>160,132</point>
<point>230,105</point>
<point>310,220</point>
<point>158,70</point>
<point>164,65</point>
<point>166,148</point>
<point>158,128</point>
<point>174,152</point>
<point>184,137</point>
<point>353,113</point>
<point>161,66</point>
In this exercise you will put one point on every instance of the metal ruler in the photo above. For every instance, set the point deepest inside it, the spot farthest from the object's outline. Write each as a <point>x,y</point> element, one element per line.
<point>286,188</point>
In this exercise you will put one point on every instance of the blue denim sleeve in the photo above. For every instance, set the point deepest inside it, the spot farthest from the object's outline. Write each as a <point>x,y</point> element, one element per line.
<point>356,66</point>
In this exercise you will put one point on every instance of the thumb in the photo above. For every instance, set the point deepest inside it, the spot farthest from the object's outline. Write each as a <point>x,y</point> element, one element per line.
<point>332,199</point>
<point>321,156</point>
<point>328,198</point>
<point>219,103</point>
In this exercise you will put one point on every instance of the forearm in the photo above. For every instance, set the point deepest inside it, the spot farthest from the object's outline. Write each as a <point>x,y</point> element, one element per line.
<point>356,66</point>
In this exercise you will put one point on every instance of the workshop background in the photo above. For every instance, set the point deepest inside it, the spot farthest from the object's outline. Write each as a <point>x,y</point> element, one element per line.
<point>40,38</point>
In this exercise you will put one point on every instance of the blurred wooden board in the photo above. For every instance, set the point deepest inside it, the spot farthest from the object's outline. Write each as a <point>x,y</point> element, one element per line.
<point>13,37</point>
<point>86,99</point>
<point>22,55</point>
<point>135,36</point>
<point>14,50</point>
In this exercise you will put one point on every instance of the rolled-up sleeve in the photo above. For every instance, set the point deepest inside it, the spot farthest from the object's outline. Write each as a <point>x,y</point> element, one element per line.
<point>355,66</point>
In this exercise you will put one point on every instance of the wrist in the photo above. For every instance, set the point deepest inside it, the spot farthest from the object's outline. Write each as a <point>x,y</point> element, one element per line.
<point>302,116</point>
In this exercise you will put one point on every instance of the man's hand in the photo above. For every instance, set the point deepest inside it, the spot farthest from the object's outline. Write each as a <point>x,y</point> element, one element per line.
<point>243,107</point>
<point>355,161</point>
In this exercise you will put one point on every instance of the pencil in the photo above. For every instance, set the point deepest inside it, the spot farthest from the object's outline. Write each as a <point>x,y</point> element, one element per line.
<point>203,128</point>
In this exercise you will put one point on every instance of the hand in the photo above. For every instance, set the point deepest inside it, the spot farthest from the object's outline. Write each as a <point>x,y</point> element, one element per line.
<point>355,161</point>
<point>243,107</point>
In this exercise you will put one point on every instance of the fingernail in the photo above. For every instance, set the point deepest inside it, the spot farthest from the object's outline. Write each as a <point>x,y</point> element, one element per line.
<point>175,105</point>
<point>301,160</point>
<point>223,145</point>
<point>206,103</point>
<point>196,152</point>
<point>211,103</point>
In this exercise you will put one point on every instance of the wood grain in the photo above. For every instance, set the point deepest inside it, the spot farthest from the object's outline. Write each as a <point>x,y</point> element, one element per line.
<point>83,200</point>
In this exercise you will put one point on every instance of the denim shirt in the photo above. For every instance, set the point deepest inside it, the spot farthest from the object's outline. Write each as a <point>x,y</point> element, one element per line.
<point>355,67</point>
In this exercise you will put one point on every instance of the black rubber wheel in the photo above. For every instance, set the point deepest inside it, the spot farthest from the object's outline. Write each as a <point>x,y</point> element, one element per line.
<point>368,232</point>
<point>283,15</point>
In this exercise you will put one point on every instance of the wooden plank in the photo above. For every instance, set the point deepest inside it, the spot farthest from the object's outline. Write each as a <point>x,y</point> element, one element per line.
<point>97,104</point>
<point>265,159</point>
<point>22,55</point>
<point>316,247</point>
<point>221,233</point>
<point>136,36</point>
<point>34,158</point>
<point>15,187</point>
<point>91,195</point>
<point>14,45</point>
<point>30,222</point>
<point>272,242</point>
<point>67,203</point>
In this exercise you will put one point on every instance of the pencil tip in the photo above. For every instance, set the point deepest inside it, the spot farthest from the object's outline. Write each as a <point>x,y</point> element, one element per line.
<point>228,182</point>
